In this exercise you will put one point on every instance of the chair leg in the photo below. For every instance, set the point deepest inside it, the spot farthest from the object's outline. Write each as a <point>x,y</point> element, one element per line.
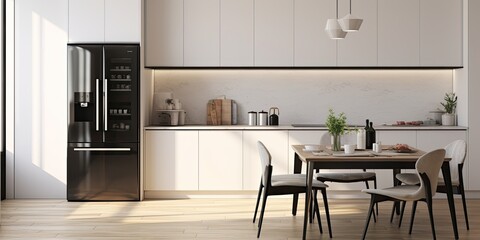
<point>258,200</point>
<point>374,214</point>
<point>262,212</point>
<point>375,186</point>
<point>401,213</point>
<point>312,212</point>
<point>370,211</point>
<point>462,192</point>
<point>317,211</point>
<point>393,212</point>
<point>414,208</point>
<point>327,211</point>
<point>295,204</point>
<point>430,213</point>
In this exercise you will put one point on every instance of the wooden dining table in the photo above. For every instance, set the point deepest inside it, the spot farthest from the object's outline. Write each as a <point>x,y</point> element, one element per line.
<point>325,158</point>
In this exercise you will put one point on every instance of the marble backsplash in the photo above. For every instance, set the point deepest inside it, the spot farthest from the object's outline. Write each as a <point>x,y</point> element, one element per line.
<point>304,96</point>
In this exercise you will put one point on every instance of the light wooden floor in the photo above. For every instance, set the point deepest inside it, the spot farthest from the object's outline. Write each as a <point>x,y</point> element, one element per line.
<point>213,219</point>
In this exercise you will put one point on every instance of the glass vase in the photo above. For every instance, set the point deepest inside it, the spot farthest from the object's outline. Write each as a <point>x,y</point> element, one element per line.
<point>336,142</point>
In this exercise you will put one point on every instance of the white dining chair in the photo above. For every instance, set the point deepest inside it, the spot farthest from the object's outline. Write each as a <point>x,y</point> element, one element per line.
<point>285,184</point>
<point>457,151</point>
<point>427,169</point>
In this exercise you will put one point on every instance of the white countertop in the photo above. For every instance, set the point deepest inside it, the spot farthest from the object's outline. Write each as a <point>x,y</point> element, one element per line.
<point>290,127</point>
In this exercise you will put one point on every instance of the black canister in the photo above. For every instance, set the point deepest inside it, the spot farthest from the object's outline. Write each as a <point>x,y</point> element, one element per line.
<point>273,119</point>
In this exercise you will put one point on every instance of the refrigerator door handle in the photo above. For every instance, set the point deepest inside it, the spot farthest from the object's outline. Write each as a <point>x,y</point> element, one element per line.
<point>105,103</point>
<point>97,121</point>
<point>102,149</point>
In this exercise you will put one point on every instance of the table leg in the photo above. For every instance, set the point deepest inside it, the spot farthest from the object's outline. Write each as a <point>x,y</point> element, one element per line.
<point>297,169</point>
<point>308,196</point>
<point>448,185</point>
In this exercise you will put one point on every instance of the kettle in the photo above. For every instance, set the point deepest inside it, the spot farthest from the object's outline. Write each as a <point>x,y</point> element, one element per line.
<point>273,119</point>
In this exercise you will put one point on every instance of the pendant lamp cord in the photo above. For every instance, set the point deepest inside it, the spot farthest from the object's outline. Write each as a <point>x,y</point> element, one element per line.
<point>350,7</point>
<point>336,9</point>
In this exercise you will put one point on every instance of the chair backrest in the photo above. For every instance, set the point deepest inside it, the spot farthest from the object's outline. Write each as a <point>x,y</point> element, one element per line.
<point>430,164</point>
<point>457,150</point>
<point>265,160</point>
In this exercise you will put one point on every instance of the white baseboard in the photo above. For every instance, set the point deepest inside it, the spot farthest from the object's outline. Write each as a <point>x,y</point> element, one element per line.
<point>333,194</point>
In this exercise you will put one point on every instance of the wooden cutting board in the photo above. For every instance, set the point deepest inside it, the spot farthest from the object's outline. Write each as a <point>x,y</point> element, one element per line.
<point>226,111</point>
<point>214,112</point>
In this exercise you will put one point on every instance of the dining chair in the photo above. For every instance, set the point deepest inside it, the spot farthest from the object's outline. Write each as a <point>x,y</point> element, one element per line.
<point>285,184</point>
<point>427,169</point>
<point>349,177</point>
<point>457,151</point>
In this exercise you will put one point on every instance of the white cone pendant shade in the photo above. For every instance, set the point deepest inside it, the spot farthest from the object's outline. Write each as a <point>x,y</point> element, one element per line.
<point>334,30</point>
<point>350,23</point>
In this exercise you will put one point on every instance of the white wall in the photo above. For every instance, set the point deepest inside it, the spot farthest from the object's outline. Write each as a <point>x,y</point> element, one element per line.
<point>304,96</point>
<point>40,98</point>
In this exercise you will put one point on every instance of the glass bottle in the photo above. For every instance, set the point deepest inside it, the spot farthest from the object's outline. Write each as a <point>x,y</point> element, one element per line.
<point>370,136</point>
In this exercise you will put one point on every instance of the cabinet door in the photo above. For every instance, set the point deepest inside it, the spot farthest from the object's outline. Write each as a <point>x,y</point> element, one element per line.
<point>303,137</point>
<point>86,21</point>
<point>312,45</point>
<point>202,32</point>
<point>398,33</point>
<point>220,160</point>
<point>276,143</point>
<point>236,33</point>
<point>359,48</point>
<point>441,32</point>
<point>171,160</point>
<point>122,21</point>
<point>164,33</point>
<point>273,33</point>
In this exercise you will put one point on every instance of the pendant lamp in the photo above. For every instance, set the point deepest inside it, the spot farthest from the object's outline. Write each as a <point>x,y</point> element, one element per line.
<point>349,23</point>
<point>333,28</point>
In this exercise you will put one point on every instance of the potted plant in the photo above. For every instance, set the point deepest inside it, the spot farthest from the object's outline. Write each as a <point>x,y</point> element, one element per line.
<point>450,105</point>
<point>337,125</point>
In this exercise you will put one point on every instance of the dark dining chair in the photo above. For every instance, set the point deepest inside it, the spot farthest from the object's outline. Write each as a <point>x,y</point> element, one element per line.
<point>285,184</point>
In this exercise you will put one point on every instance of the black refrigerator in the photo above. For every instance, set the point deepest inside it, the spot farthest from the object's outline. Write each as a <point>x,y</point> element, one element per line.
<point>103,161</point>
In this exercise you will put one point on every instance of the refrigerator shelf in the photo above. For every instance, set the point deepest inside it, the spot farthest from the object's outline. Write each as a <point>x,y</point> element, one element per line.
<point>120,90</point>
<point>121,80</point>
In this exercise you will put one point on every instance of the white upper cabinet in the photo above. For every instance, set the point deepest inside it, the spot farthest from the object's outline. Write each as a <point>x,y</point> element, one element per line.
<point>274,33</point>
<point>359,48</point>
<point>202,33</point>
<point>86,21</point>
<point>398,33</point>
<point>441,33</point>
<point>122,21</point>
<point>236,33</point>
<point>163,33</point>
<point>104,21</point>
<point>312,45</point>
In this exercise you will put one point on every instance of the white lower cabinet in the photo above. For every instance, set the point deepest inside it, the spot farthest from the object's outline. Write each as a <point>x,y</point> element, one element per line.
<point>171,160</point>
<point>220,160</point>
<point>276,143</point>
<point>228,160</point>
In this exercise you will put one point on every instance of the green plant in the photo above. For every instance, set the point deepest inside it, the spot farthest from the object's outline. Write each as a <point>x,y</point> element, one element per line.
<point>450,103</point>
<point>337,125</point>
